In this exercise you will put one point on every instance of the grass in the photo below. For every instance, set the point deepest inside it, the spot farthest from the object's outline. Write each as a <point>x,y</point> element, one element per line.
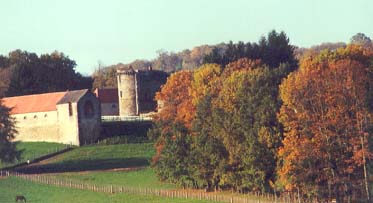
<point>32,150</point>
<point>35,192</point>
<point>90,165</point>
<point>95,157</point>
<point>124,139</point>
<point>145,178</point>
<point>80,165</point>
<point>84,159</point>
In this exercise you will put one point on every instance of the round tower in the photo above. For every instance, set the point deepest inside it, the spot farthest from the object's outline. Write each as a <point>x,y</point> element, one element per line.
<point>127,91</point>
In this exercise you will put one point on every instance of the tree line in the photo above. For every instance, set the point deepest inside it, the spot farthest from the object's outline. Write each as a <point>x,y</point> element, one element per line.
<point>190,59</point>
<point>254,118</point>
<point>23,73</point>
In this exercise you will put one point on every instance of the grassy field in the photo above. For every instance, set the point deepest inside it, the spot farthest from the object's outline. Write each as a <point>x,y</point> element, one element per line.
<point>32,150</point>
<point>95,157</point>
<point>94,165</point>
<point>145,178</point>
<point>41,193</point>
<point>81,165</point>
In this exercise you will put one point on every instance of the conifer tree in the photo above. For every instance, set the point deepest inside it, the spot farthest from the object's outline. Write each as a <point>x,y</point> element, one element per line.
<point>8,151</point>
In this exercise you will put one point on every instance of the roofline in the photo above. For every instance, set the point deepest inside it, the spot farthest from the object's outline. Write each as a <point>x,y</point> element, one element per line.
<point>34,94</point>
<point>33,112</point>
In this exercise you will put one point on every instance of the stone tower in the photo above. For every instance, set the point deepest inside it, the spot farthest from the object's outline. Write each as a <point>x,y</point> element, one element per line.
<point>127,91</point>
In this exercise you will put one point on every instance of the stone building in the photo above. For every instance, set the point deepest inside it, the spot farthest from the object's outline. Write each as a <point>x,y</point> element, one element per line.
<point>127,92</point>
<point>135,93</point>
<point>109,101</point>
<point>71,117</point>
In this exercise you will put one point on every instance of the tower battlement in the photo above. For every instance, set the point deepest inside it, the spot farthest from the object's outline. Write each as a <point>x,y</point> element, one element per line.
<point>127,92</point>
<point>137,89</point>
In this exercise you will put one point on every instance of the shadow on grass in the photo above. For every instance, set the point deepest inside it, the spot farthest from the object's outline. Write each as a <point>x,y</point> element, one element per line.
<point>84,165</point>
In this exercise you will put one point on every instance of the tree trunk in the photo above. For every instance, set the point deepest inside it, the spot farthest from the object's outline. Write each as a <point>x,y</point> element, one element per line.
<point>365,169</point>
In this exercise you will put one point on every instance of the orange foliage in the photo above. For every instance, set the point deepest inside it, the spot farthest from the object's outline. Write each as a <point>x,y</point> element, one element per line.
<point>177,100</point>
<point>240,65</point>
<point>324,115</point>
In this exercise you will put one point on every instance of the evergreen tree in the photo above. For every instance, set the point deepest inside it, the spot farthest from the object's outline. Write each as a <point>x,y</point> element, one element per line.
<point>271,50</point>
<point>8,152</point>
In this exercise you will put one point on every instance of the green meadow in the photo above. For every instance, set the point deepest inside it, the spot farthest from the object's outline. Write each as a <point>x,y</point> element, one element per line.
<point>32,150</point>
<point>41,193</point>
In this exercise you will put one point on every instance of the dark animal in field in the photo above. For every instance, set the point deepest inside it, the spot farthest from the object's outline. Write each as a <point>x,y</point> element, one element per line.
<point>20,198</point>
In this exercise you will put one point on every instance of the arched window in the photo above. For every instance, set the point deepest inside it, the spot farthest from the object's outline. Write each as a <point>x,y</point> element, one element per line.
<point>88,109</point>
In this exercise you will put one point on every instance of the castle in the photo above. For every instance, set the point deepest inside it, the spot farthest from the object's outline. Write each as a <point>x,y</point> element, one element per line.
<point>135,93</point>
<point>71,117</point>
<point>74,117</point>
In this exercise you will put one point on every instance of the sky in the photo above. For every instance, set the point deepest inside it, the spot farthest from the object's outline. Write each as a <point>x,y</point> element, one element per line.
<point>120,31</point>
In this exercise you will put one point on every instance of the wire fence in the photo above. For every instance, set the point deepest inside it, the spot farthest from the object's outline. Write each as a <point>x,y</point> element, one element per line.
<point>181,194</point>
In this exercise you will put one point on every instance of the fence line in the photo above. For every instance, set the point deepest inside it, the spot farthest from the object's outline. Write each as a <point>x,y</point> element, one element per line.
<point>125,118</point>
<point>183,194</point>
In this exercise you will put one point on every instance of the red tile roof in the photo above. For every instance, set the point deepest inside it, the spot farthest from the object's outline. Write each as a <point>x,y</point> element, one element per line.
<point>33,103</point>
<point>107,95</point>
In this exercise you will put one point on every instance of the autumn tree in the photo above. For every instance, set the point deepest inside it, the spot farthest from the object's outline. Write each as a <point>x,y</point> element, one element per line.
<point>174,154</point>
<point>248,128</point>
<point>177,99</point>
<point>172,128</point>
<point>326,123</point>
<point>206,81</point>
<point>105,77</point>
<point>209,153</point>
<point>219,125</point>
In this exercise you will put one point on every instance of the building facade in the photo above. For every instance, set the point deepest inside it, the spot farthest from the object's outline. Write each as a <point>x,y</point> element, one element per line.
<point>135,93</point>
<point>72,117</point>
<point>109,101</point>
<point>137,89</point>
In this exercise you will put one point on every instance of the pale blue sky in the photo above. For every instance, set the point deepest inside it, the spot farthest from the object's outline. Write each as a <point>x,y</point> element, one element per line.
<point>114,31</point>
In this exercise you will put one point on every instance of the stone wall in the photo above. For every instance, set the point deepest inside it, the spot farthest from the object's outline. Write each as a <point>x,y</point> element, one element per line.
<point>110,109</point>
<point>40,126</point>
<point>68,122</point>
<point>149,83</point>
<point>54,126</point>
<point>76,123</point>
<point>89,119</point>
<point>127,93</point>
